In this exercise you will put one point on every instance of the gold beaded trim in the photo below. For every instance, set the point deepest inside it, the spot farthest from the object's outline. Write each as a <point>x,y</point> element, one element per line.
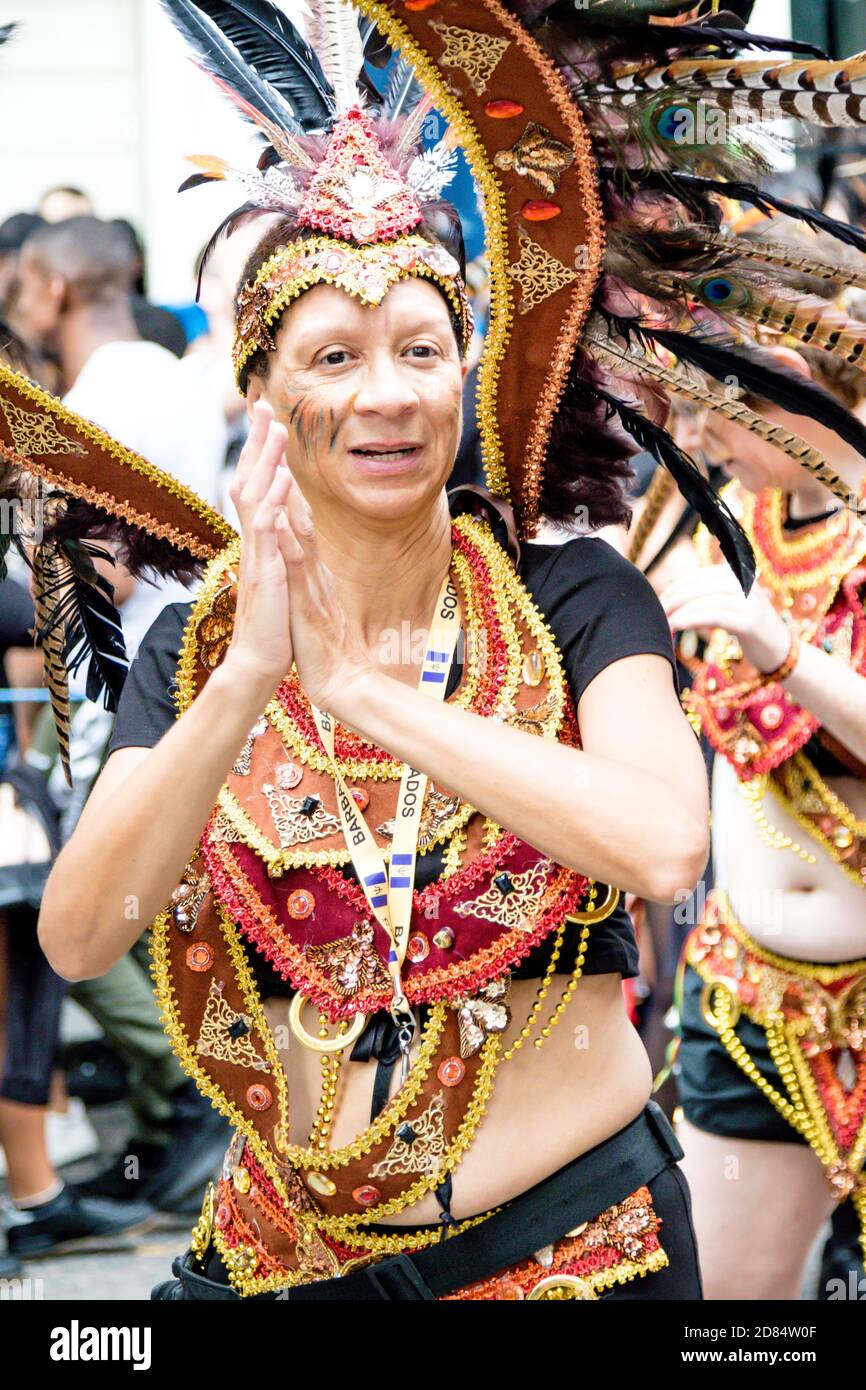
<point>804,1111</point>
<point>375,255</point>
<point>495,222</point>
<point>834,805</point>
<point>278,860</point>
<point>185,1051</point>
<point>807,970</point>
<point>753,793</point>
<point>127,459</point>
<point>490,1057</point>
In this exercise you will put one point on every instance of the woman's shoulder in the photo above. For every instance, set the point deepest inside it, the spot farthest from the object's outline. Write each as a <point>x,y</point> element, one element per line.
<point>598,605</point>
<point>581,563</point>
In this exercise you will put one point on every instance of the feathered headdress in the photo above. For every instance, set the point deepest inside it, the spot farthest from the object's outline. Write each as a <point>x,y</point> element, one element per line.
<point>606,140</point>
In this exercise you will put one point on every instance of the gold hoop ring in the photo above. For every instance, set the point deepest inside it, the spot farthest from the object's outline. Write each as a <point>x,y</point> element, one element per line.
<point>597,914</point>
<point>338,1044</point>
<point>724,1012</point>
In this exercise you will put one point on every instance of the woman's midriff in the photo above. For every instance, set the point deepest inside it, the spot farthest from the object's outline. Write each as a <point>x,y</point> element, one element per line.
<point>549,1105</point>
<point>807,911</point>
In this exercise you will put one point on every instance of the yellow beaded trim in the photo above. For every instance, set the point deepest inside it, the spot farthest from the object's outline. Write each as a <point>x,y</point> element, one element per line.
<point>278,860</point>
<point>134,462</point>
<point>753,793</point>
<point>376,254</point>
<point>337,1226</point>
<point>188,1057</point>
<point>838,527</point>
<point>388,1119</point>
<point>823,974</point>
<point>495,224</point>
<point>452,857</point>
<point>835,806</point>
<point>509,596</point>
<point>311,1158</point>
<point>216,577</point>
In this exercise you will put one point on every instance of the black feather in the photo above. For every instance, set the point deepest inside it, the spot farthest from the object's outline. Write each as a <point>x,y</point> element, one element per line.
<point>754,370</point>
<point>196,180</point>
<point>83,606</point>
<point>695,488</point>
<point>223,63</point>
<point>694,184</point>
<point>280,55</point>
<point>138,550</point>
<point>376,49</point>
<point>228,225</point>
<point>6,31</point>
<point>728,40</point>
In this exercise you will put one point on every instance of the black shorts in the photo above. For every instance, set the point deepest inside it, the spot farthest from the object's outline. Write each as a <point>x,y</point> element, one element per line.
<point>715,1094</point>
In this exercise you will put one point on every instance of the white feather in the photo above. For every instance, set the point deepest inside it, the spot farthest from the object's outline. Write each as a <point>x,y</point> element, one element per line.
<point>432,171</point>
<point>336,38</point>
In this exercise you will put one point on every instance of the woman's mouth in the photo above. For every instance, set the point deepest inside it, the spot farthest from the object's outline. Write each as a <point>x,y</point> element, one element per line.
<point>386,458</point>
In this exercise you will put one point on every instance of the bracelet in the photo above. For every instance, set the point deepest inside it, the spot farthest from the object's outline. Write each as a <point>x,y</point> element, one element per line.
<point>782,672</point>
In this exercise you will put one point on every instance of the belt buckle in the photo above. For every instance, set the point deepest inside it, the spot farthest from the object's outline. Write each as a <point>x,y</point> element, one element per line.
<point>663,1130</point>
<point>558,1287</point>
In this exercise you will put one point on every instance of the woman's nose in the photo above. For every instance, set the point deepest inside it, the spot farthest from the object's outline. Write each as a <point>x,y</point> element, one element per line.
<point>384,388</point>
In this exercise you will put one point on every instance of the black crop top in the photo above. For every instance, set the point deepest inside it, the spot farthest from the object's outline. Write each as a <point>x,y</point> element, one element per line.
<point>600,609</point>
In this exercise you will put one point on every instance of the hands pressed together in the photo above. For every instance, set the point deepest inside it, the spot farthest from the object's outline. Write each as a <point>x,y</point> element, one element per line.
<point>287,606</point>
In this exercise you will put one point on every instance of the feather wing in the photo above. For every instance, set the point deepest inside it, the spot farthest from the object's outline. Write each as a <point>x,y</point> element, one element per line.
<point>268,42</point>
<point>337,40</point>
<point>47,580</point>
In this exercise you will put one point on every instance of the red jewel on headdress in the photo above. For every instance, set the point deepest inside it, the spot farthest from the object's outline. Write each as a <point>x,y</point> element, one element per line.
<point>540,210</point>
<point>503,109</point>
<point>355,193</point>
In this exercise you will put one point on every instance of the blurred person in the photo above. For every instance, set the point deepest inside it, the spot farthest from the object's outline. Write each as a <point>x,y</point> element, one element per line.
<point>154,323</point>
<point>63,202</point>
<point>73,300</point>
<point>178,1139</point>
<point>34,1139</point>
<point>772,1060</point>
<point>14,231</point>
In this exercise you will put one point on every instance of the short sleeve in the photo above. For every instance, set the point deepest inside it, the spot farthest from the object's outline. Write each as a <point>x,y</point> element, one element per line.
<point>598,605</point>
<point>147,708</point>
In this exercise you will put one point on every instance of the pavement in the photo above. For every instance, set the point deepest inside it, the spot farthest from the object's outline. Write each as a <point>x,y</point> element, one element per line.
<point>123,1269</point>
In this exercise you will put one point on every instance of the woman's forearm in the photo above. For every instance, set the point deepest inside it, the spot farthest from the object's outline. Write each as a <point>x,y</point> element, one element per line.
<point>835,694</point>
<point>613,822</point>
<point>134,838</point>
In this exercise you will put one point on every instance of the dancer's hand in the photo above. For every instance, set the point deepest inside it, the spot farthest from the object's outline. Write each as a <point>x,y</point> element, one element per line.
<point>328,655</point>
<point>710,598</point>
<point>261,645</point>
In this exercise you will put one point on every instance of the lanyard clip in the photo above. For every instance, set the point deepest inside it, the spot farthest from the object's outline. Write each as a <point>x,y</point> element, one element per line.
<point>404,1022</point>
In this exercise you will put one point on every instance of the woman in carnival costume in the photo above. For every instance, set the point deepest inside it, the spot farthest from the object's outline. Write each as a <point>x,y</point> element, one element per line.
<point>381,882</point>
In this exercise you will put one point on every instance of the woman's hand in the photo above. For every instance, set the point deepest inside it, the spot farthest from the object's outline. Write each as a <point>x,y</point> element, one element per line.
<point>712,598</point>
<point>261,644</point>
<point>328,656</point>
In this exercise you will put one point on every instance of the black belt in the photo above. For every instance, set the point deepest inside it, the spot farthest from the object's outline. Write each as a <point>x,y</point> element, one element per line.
<point>577,1193</point>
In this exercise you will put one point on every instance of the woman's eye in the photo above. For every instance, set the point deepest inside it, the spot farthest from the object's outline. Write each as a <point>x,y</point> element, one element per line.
<point>422,350</point>
<point>335,358</point>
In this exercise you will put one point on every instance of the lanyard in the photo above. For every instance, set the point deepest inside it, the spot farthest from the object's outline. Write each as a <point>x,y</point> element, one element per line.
<point>389,893</point>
